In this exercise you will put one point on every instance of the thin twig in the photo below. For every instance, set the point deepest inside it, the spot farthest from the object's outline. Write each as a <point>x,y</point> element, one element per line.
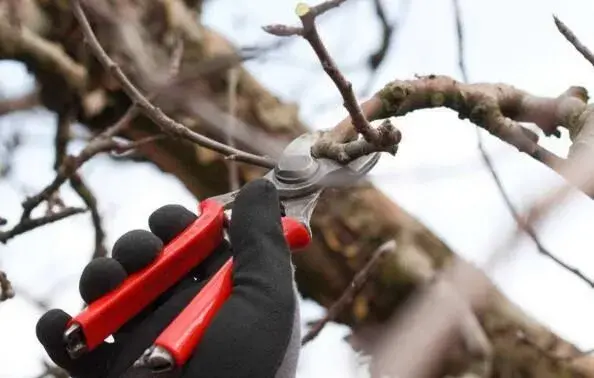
<point>573,39</point>
<point>387,33</point>
<point>491,168</point>
<point>167,124</point>
<point>101,143</point>
<point>527,227</point>
<point>76,182</point>
<point>67,166</point>
<point>124,149</point>
<point>83,191</point>
<point>309,31</point>
<point>349,294</point>
<point>386,137</point>
<point>32,223</point>
<point>460,37</point>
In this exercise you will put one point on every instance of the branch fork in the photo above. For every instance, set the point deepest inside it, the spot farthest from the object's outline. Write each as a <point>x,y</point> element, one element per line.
<point>342,145</point>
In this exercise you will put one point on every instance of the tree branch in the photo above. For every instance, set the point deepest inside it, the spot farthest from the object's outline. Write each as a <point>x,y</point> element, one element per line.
<point>498,108</point>
<point>573,39</point>
<point>77,183</point>
<point>460,38</point>
<point>526,227</point>
<point>29,224</point>
<point>167,124</point>
<point>387,32</point>
<point>83,191</point>
<point>385,138</point>
<point>67,166</point>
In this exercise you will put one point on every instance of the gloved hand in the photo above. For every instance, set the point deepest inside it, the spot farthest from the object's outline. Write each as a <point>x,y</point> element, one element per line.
<point>256,333</point>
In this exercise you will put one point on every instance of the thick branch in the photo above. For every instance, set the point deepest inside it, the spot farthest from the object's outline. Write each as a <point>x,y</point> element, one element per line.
<point>498,108</point>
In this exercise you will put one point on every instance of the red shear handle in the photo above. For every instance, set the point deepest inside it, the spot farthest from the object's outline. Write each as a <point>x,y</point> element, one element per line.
<point>185,332</point>
<point>107,314</point>
<point>296,233</point>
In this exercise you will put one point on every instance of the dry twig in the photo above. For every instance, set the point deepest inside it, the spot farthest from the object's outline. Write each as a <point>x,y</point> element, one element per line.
<point>77,183</point>
<point>385,138</point>
<point>83,191</point>
<point>387,33</point>
<point>526,227</point>
<point>488,162</point>
<point>66,170</point>
<point>167,124</point>
<point>29,223</point>
<point>460,37</point>
<point>573,39</point>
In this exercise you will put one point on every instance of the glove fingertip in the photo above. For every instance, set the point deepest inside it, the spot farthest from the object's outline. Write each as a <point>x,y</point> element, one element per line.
<point>50,327</point>
<point>136,249</point>
<point>170,220</point>
<point>99,277</point>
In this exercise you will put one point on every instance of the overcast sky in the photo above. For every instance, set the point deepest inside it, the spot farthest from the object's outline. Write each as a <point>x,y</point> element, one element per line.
<point>437,175</point>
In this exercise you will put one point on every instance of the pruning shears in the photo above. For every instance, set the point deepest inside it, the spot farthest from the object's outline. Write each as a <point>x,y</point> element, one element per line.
<point>299,178</point>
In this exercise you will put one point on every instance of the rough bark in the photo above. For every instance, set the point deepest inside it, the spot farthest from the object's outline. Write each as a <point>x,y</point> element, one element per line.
<point>349,223</point>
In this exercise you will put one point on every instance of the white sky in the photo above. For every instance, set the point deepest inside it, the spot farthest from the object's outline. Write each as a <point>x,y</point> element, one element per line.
<point>437,175</point>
